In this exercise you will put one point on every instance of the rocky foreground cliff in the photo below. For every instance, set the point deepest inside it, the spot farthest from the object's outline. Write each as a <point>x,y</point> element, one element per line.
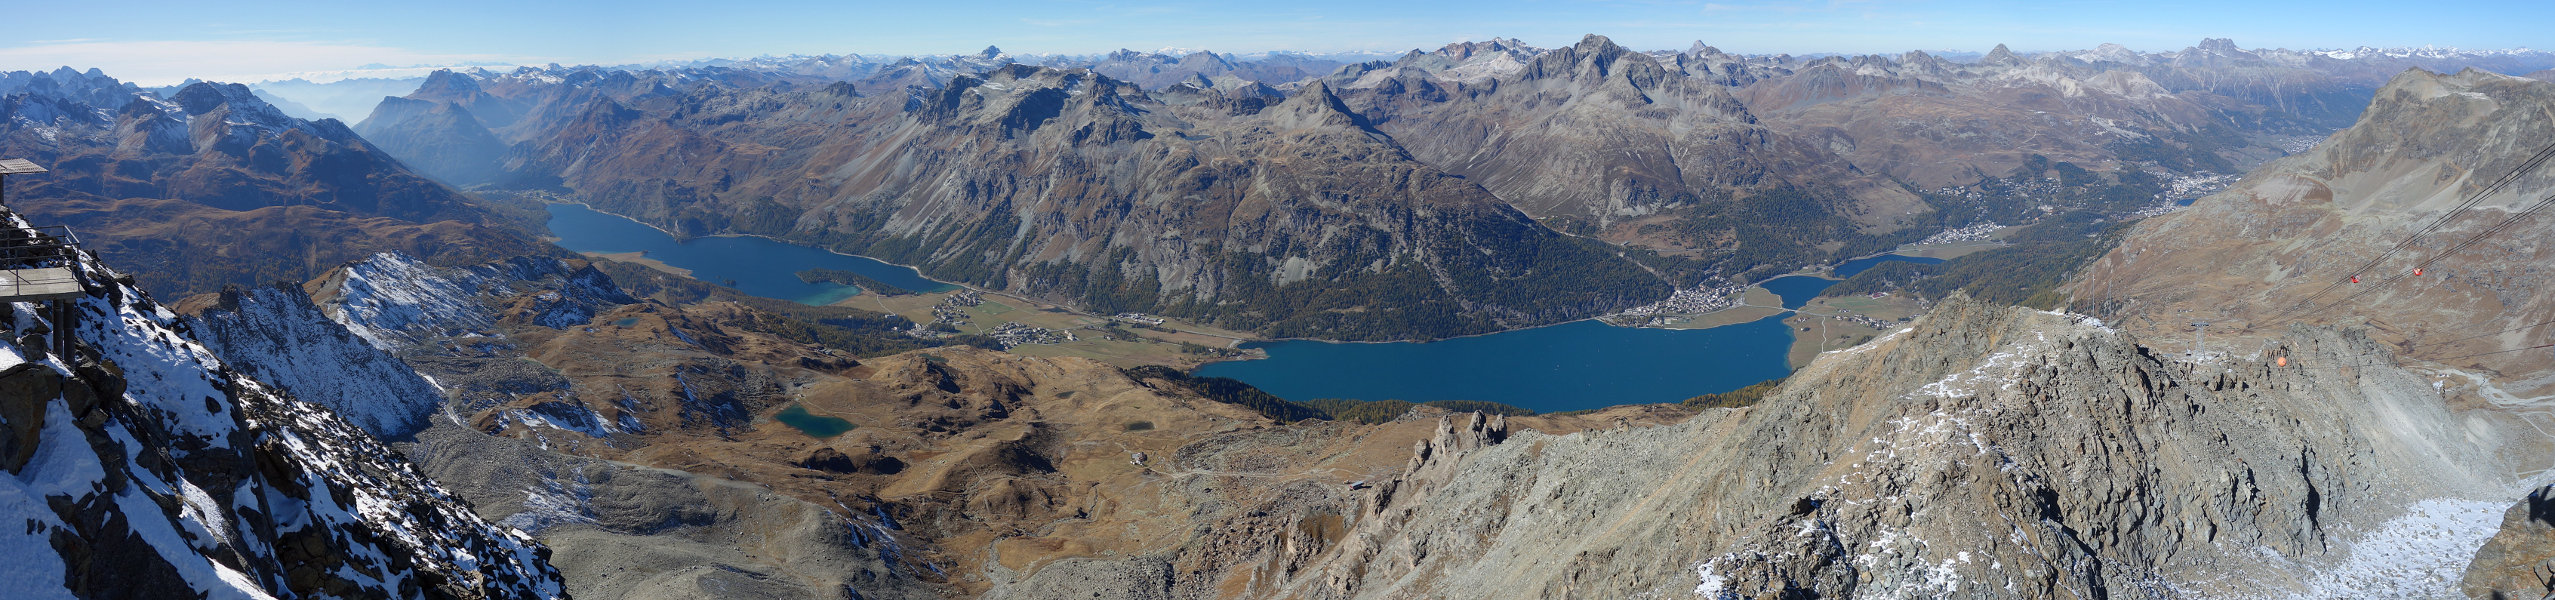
<point>140,465</point>
<point>1982,452</point>
<point>1985,452</point>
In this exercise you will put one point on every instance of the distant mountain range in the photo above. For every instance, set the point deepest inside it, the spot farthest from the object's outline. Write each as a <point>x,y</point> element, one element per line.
<point>606,430</point>
<point>1710,165</point>
<point>1695,165</point>
<point>210,185</point>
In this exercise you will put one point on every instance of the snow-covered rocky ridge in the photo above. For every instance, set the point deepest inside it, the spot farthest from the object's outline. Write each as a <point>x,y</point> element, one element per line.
<point>52,101</point>
<point>143,466</point>
<point>395,301</point>
<point>279,337</point>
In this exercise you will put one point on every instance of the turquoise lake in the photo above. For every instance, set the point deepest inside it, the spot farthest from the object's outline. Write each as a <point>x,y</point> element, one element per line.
<point>754,265</point>
<point>814,425</point>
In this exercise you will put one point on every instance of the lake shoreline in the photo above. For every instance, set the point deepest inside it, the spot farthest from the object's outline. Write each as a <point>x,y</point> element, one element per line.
<point>756,265</point>
<point>679,238</point>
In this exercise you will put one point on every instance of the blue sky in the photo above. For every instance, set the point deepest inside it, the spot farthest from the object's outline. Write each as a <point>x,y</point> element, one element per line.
<point>160,41</point>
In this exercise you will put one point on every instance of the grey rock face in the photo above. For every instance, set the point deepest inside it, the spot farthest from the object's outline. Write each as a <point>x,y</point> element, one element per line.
<point>140,465</point>
<point>1599,132</point>
<point>281,338</point>
<point>2519,562</point>
<point>1985,452</point>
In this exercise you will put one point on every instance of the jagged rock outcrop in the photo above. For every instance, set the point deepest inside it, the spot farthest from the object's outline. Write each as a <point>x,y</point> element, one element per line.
<point>2519,561</point>
<point>1599,132</point>
<point>279,337</point>
<point>141,466</point>
<point>1985,452</point>
<point>395,301</point>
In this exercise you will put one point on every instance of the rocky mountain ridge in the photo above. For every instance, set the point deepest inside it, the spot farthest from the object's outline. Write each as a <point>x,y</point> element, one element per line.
<point>1982,452</point>
<point>1827,144</point>
<point>1075,186</point>
<point>211,186</point>
<point>143,466</point>
<point>281,338</point>
<point>1597,137</point>
<point>2255,256</point>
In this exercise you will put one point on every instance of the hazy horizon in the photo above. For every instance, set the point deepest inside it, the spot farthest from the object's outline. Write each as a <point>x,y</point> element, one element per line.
<point>158,42</point>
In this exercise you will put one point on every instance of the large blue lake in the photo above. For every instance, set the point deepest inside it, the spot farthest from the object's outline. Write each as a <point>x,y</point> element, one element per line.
<point>753,265</point>
<point>1574,366</point>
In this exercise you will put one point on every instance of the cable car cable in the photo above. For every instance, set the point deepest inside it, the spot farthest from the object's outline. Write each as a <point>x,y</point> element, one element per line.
<point>2506,223</point>
<point>2504,181</point>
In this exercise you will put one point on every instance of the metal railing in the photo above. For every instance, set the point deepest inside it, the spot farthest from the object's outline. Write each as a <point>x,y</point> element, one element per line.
<point>37,247</point>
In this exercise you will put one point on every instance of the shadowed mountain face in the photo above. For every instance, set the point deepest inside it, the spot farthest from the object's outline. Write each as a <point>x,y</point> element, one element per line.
<point>443,139</point>
<point>212,186</point>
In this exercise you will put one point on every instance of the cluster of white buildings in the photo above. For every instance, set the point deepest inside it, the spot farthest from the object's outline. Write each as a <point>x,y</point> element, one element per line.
<point>1872,322</point>
<point>1138,318</point>
<point>1965,234</point>
<point>2024,188</point>
<point>1700,299</point>
<point>953,309</point>
<point>1015,334</point>
<point>2195,186</point>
